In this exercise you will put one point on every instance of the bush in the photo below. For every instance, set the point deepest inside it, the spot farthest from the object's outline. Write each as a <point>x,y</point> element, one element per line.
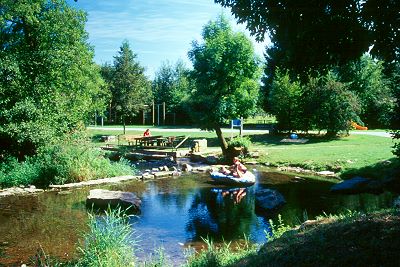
<point>284,101</point>
<point>56,164</point>
<point>396,146</point>
<point>243,142</point>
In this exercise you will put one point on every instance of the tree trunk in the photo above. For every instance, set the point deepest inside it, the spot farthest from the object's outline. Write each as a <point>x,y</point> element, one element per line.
<point>222,141</point>
<point>123,121</point>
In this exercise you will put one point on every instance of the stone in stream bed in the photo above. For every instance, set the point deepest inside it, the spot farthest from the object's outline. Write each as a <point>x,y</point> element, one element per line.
<point>269,199</point>
<point>100,198</point>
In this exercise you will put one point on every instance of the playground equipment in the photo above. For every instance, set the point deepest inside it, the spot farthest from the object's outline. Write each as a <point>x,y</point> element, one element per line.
<point>358,127</point>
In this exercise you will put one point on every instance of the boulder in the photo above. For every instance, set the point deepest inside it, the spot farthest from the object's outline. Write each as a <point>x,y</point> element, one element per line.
<point>353,185</point>
<point>269,199</point>
<point>212,160</point>
<point>101,198</point>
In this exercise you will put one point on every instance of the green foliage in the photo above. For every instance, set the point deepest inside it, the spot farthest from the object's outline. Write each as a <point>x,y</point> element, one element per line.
<point>130,88</point>
<point>346,215</point>
<point>366,79</point>
<point>240,141</point>
<point>276,231</point>
<point>220,255</point>
<point>334,106</point>
<point>55,164</point>
<point>48,81</point>
<point>396,146</point>
<point>172,85</point>
<point>308,35</point>
<point>109,241</point>
<point>284,99</point>
<point>324,103</point>
<point>226,73</point>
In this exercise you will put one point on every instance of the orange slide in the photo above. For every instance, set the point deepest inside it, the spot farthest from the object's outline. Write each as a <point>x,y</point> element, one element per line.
<point>358,127</point>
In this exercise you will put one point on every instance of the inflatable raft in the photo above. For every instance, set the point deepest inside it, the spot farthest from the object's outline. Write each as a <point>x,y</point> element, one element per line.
<point>220,178</point>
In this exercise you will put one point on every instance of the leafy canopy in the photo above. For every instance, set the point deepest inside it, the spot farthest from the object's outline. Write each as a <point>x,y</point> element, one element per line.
<point>48,80</point>
<point>308,34</point>
<point>172,85</point>
<point>226,72</point>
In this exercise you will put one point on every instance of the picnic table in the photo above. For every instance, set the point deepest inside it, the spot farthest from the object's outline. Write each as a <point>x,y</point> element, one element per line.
<point>156,141</point>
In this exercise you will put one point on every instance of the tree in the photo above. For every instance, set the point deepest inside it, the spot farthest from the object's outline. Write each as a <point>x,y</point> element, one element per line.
<point>48,81</point>
<point>130,88</point>
<point>333,105</point>
<point>172,85</point>
<point>226,73</point>
<point>310,34</point>
<point>367,80</point>
<point>284,99</point>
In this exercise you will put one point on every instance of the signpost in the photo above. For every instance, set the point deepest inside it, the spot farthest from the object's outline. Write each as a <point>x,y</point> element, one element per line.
<point>237,123</point>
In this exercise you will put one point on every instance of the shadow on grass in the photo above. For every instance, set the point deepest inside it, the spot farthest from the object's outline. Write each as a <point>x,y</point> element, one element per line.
<point>269,139</point>
<point>374,241</point>
<point>386,169</point>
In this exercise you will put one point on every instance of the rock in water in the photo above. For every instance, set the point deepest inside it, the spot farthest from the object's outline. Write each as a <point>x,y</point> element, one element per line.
<point>352,185</point>
<point>100,198</point>
<point>269,199</point>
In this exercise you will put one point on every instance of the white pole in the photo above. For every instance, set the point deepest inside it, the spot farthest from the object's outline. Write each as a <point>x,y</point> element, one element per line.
<point>241,126</point>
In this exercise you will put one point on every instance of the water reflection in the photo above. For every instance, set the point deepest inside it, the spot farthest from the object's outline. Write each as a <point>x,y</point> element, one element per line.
<point>221,214</point>
<point>175,211</point>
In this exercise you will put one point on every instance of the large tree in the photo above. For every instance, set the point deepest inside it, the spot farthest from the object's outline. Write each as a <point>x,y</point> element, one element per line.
<point>309,34</point>
<point>226,72</point>
<point>48,81</point>
<point>130,88</point>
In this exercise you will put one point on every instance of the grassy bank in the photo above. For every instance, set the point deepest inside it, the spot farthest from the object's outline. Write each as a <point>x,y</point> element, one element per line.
<point>351,240</point>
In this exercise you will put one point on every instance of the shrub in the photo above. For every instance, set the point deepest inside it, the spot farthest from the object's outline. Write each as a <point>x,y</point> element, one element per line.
<point>59,164</point>
<point>284,100</point>
<point>396,146</point>
<point>276,231</point>
<point>14,173</point>
<point>240,141</point>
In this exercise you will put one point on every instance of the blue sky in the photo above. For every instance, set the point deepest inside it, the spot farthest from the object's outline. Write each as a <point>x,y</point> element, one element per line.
<point>157,30</point>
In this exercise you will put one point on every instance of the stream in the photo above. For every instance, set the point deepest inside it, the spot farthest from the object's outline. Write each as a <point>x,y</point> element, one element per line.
<point>176,213</point>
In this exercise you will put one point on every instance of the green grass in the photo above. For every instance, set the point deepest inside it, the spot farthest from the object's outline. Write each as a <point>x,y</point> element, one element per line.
<point>109,242</point>
<point>225,254</point>
<point>319,153</point>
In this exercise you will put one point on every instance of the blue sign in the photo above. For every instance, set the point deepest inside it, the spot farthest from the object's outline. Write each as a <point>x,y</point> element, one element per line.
<point>236,122</point>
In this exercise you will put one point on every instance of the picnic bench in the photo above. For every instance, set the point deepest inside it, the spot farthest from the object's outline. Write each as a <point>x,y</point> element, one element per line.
<point>156,141</point>
<point>132,139</point>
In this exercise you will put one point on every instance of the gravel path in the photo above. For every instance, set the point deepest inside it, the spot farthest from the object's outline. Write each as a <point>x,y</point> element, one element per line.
<point>188,130</point>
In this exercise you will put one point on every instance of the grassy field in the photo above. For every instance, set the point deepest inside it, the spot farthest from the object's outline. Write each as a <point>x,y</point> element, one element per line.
<point>346,155</point>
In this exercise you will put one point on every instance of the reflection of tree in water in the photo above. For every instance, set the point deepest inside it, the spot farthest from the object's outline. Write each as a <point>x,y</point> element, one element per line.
<point>169,194</point>
<point>218,216</point>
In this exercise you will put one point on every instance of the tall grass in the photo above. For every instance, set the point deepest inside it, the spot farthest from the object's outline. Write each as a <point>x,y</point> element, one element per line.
<point>109,242</point>
<point>276,230</point>
<point>59,164</point>
<point>220,255</point>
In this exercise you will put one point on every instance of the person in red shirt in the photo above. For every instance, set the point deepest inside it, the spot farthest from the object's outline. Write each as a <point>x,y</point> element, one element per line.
<point>147,132</point>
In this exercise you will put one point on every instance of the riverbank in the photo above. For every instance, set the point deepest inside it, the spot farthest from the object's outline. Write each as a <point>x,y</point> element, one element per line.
<point>371,239</point>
